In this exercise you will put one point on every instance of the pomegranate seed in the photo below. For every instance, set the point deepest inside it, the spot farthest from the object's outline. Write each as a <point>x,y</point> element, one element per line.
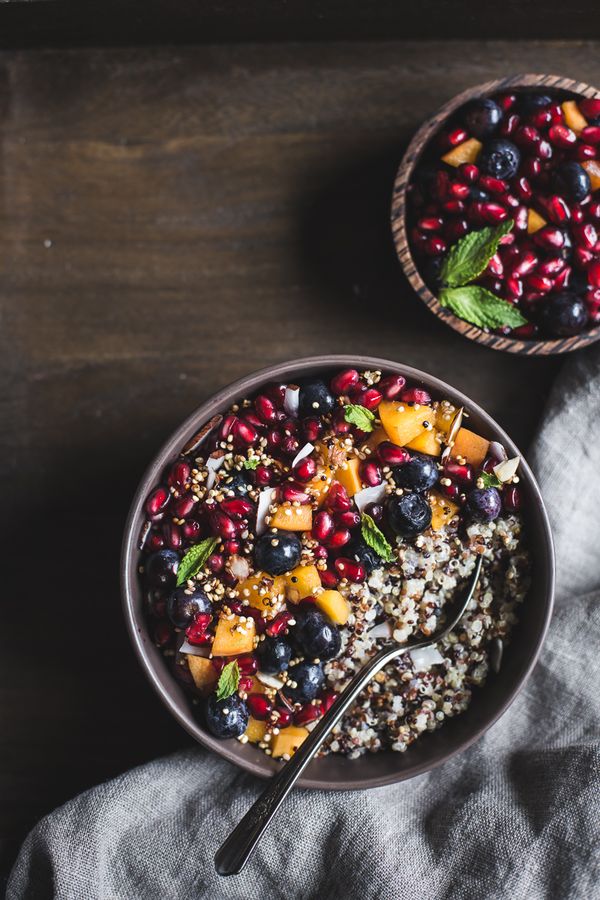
<point>235,606</point>
<point>179,474</point>
<point>265,409</point>
<point>456,229</point>
<point>435,246</point>
<point>462,473</point>
<point>215,563</point>
<point>391,386</point>
<point>245,684</point>
<point>290,445</point>
<point>157,502</point>
<point>506,101</point>
<point>551,267</point>
<point>591,134</point>
<point>456,136</point>
<point>561,136</point>
<point>415,395</point>
<point>308,713</point>
<point>392,455</point>
<point>539,284</point>
<point>527,137</point>
<point>329,579</point>
<point>283,717</point>
<point>493,212</point>
<point>279,625</point>
<point>549,238</point>
<point>557,210</point>
<point>183,506</point>
<point>431,223</point>
<point>294,494</point>
<point>511,498</point>
<point>526,264</point>
<point>544,150</point>
<point>348,519</point>
<point>340,426</point>
<point>238,508</point>
<point>562,279</point>
<point>524,189</point>
<point>191,529</point>
<point>585,151</point>
<point>370,473</point>
<point>372,398</point>
<point>582,257</point>
<point>348,568</point>
<point>459,191</point>
<point>173,536</point>
<point>556,114</point>
<point>493,185</point>
<point>247,663</point>
<point>593,274</point>
<point>328,698</point>
<point>592,298</point>
<point>337,498</point>
<point>162,634</point>
<point>196,633</point>
<point>244,432</point>
<point>488,465</point>
<point>450,490</point>
<point>339,538</point>
<point>577,214</point>
<point>274,438</point>
<point>343,381</point>
<point>586,235</point>
<point>527,331</point>
<point>232,546</point>
<point>590,107</point>
<point>532,167</point>
<point>155,542</point>
<point>323,525</point>
<point>312,428</point>
<point>509,125</point>
<point>521,219</point>
<point>375,510</point>
<point>227,426</point>
<point>442,180</point>
<point>357,393</point>
<point>468,172</point>
<point>594,209</point>
<point>259,705</point>
<point>263,475</point>
<point>289,426</point>
<point>219,663</point>
<point>221,524</point>
<point>305,469</point>
<point>541,118</point>
<point>495,266</point>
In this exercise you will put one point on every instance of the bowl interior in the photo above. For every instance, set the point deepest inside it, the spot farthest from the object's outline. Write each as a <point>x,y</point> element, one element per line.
<point>565,88</point>
<point>431,749</point>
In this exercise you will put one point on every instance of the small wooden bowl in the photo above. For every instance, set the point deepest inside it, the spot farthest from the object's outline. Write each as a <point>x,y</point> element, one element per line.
<point>404,175</point>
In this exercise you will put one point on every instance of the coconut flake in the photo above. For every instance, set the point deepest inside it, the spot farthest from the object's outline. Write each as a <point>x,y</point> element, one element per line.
<point>265,499</point>
<point>306,451</point>
<point>505,471</point>
<point>369,495</point>
<point>270,681</point>
<point>382,630</point>
<point>291,400</point>
<point>238,566</point>
<point>195,649</point>
<point>425,657</point>
<point>213,464</point>
<point>497,451</point>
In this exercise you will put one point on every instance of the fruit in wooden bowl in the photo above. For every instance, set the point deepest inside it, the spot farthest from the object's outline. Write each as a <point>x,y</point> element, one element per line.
<point>496,214</point>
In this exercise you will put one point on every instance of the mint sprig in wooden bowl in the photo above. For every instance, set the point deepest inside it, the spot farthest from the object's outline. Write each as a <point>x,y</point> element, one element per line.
<point>471,308</point>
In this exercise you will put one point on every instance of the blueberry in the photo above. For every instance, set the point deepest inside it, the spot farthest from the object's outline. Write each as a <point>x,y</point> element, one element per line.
<point>418,474</point>
<point>274,655</point>
<point>529,102</point>
<point>315,635</point>
<point>277,552</point>
<point>477,195</point>
<point>182,607</point>
<point>572,181</point>
<point>238,483</point>
<point>315,399</point>
<point>359,550</point>
<point>484,504</point>
<point>309,679</point>
<point>482,117</point>
<point>499,158</point>
<point>161,568</point>
<point>408,514</point>
<point>563,314</point>
<point>432,269</point>
<point>226,718</point>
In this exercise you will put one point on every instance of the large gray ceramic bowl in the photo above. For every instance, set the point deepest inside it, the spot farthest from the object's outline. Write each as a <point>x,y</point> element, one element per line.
<point>488,704</point>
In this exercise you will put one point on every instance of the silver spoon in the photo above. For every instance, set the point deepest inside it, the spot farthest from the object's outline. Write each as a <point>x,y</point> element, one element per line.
<point>234,853</point>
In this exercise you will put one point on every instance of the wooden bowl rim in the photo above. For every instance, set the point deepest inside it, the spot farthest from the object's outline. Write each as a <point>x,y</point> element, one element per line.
<point>398,216</point>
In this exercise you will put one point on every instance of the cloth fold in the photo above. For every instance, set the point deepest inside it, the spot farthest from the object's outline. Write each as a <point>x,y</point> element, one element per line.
<point>517,815</point>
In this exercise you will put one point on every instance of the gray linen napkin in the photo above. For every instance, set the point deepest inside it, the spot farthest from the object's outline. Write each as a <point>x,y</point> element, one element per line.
<point>516,816</point>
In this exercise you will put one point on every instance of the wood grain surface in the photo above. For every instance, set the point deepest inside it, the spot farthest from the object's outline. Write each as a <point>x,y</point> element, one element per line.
<point>171,219</point>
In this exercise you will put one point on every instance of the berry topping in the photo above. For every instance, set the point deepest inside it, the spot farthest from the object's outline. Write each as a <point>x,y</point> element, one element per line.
<point>315,635</point>
<point>277,552</point>
<point>484,504</point>
<point>482,117</point>
<point>226,718</point>
<point>274,655</point>
<point>408,514</point>
<point>305,681</point>
<point>571,180</point>
<point>183,606</point>
<point>418,474</point>
<point>564,314</point>
<point>499,158</point>
<point>315,399</point>
<point>161,568</point>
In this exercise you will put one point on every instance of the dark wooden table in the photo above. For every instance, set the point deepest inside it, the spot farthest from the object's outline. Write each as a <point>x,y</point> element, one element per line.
<point>172,219</point>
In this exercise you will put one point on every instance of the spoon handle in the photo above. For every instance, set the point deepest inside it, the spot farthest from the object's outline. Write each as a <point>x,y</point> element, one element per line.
<point>236,849</point>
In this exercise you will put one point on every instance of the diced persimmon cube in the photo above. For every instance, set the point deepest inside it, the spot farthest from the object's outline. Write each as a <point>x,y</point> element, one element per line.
<point>574,119</point>
<point>287,741</point>
<point>334,605</point>
<point>471,446</point>
<point>592,167</point>
<point>377,437</point>
<point>348,477</point>
<point>233,636</point>
<point>302,582</point>
<point>467,152</point>
<point>319,486</point>
<point>534,221</point>
<point>443,510</point>
<point>430,442</point>
<point>256,730</point>
<point>292,518</point>
<point>257,686</point>
<point>403,423</point>
<point>262,591</point>
<point>203,672</point>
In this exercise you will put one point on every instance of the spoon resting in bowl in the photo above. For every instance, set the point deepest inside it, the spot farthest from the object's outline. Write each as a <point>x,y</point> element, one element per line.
<point>234,853</point>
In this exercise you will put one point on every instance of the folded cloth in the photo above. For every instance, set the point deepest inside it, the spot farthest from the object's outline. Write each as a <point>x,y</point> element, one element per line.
<point>515,816</point>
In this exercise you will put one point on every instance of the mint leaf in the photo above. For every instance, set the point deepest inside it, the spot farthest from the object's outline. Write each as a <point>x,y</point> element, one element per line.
<point>480,307</point>
<point>229,680</point>
<point>490,480</point>
<point>194,559</point>
<point>360,416</point>
<point>252,462</point>
<point>469,257</point>
<point>375,538</point>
